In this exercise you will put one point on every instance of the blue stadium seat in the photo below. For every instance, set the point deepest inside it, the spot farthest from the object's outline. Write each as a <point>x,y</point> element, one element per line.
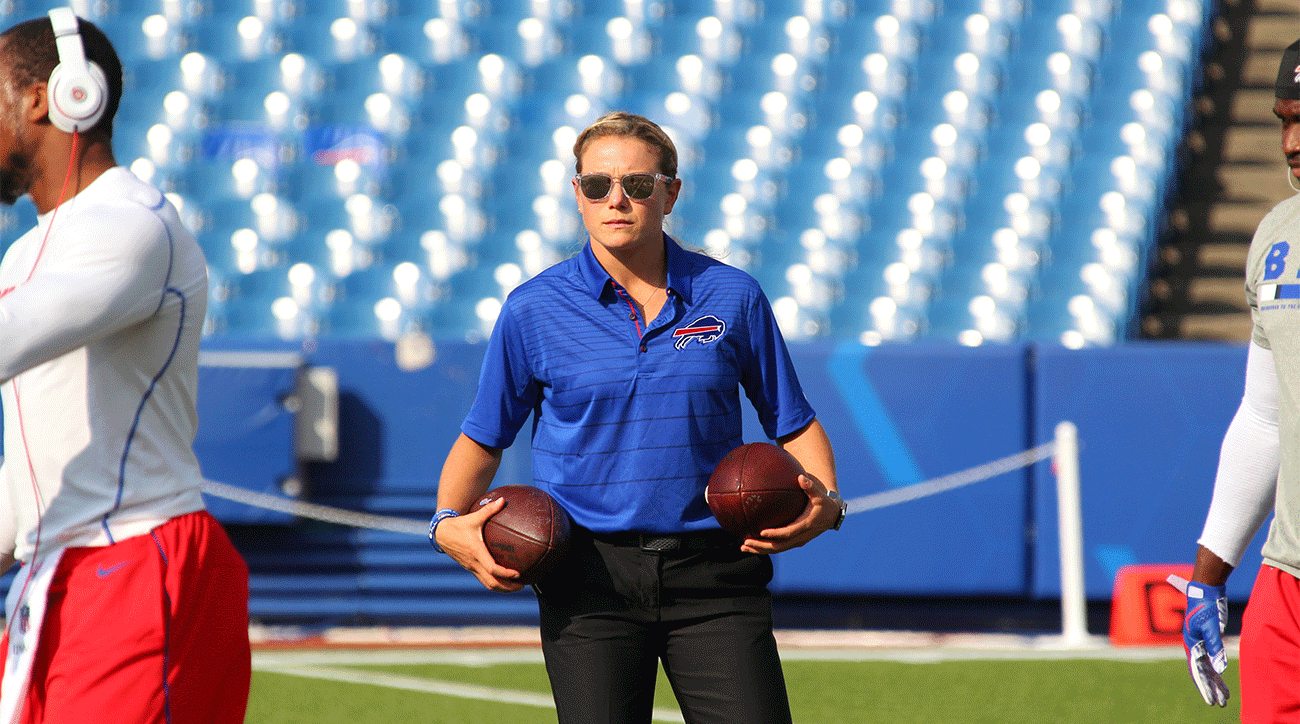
<point>223,178</point>
<point>787,115</point>
<point>866,33</point>
<point>1000,199</point>
<point>757,143</point>
<point>589,75</point>
<point>876,309</point>
<point>92,11</point>
<point>1025,105</point>
<point>864,148</point>
<point>814,175</point>
<point>391,119</point>
<point>291,73</point>
<point>547,111</point>
<point>362,11</point>
<point>968,112</point>
<point>404,282</point>
<point>497,77</point>
<point>1048,32</point>
<point>795,35</point>
<point>971,32</point>
<point>731,12</point>
<point>1053,151</point>
<point>872,113</point>
<point>552,12</point>
<point>232,37</point>
<point>193,73</point>
<point>368,219</point>
<point>941,71</point>
<point>640,12</point>
<point>1005,10</point>
<point>708,37</point>
<point>691,116</point>
<point>182,112</point>
<point>828,13</point>
<point>701,209</point>
<point>237,251</point>
<point>460,217</point>
<point>619,39</point>
<point>391,73</point>
<point>332,254</point>
<point>430,41</point>
<point>332,40</point>
<point>1069,75</point>
<point>151,37</point>
<point>781,72</point>
<point>886,77</point>
<point>277,112</point>
<point>691,74</point>
<point>167,152</point>
<point>274,218</point>
<point>955,318</point>
<point>806,264</point>
<point>528,42</point>
<point>1100,11</point>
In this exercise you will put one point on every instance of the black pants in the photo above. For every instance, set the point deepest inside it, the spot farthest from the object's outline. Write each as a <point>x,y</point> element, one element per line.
<point>613,611</point>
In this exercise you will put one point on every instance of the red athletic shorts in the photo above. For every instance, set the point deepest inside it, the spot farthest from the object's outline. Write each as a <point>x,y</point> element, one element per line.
<point>1270,650</point>
<point>153,629</point>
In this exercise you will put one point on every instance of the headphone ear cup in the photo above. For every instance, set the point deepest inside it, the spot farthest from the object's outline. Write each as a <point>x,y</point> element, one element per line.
<point>77,98</point>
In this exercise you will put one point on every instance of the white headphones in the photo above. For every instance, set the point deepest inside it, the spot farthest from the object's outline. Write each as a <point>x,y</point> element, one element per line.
<point>78,89</point>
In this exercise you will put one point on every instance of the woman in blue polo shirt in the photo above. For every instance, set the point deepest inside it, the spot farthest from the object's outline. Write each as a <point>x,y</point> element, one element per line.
<point>630,357</point>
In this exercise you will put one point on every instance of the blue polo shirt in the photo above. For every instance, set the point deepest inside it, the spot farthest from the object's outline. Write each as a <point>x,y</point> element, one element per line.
<point>629,420</point>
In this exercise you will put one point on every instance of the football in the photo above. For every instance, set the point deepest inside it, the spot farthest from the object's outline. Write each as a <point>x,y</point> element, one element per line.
<point>756,487</point>
<point>530,535</point>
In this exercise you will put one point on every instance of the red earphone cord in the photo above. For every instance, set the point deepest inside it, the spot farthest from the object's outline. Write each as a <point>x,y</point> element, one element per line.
<point>22,432</point>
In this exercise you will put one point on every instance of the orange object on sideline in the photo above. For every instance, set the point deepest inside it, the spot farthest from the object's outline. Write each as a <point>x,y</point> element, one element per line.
<point>1145,610</point>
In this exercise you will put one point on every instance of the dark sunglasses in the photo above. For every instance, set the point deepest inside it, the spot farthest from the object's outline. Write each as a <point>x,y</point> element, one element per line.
<point>637,186</point>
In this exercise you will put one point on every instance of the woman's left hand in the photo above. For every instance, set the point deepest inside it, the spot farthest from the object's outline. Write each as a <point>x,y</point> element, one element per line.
<point>817,518</point>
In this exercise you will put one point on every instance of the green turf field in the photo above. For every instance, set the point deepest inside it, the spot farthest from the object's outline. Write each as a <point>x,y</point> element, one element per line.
<point>821,692</point>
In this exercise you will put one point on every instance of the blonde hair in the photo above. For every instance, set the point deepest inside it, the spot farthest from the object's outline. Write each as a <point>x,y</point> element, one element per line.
<point>629,125</point>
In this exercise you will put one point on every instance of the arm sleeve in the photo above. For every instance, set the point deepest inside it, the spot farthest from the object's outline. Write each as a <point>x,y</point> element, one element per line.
<point>96,279</point>
<point>1246,481</point>
<point>769,377</point>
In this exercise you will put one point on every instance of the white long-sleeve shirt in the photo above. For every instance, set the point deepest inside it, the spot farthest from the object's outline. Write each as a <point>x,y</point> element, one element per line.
<point>99,340</point>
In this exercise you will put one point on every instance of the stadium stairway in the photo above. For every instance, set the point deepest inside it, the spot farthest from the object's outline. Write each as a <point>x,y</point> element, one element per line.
<point>1233,173</point>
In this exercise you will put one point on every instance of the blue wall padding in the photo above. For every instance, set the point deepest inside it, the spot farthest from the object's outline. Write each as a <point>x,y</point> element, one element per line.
<point>1151,417</point>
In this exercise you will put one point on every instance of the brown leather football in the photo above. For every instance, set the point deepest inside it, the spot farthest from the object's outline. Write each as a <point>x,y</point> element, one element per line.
<point>530,534</point>
<point>756,487</point>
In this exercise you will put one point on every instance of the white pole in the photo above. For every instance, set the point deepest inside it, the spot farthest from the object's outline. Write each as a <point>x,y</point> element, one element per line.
<point>1074,620</point>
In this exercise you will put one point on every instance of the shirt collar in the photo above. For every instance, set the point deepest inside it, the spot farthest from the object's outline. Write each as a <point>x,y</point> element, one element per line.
<point>597,280</point>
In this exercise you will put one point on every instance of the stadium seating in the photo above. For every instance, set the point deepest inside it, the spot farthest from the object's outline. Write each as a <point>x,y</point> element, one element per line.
<point>941,137</point>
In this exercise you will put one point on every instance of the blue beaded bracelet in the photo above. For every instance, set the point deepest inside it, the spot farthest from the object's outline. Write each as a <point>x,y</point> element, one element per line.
<point>438,517</point>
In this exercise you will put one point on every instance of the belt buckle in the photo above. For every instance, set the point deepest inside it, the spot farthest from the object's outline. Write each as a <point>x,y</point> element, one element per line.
<point>661,543</point>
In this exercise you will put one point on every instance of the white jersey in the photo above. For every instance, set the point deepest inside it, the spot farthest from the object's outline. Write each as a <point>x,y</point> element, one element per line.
<point>1273,292</point>
<point>99,341</point>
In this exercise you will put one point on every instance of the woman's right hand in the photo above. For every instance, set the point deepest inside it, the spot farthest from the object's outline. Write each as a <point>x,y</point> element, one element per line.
<point>462,538</point>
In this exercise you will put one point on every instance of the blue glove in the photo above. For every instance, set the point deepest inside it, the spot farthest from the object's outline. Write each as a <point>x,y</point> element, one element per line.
<point>1207,615</point>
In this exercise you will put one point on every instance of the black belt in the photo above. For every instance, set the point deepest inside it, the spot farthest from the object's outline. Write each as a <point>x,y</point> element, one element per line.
<point>662,542</point>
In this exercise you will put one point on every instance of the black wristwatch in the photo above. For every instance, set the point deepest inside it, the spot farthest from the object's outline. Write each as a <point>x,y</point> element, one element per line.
<point>844,508</point>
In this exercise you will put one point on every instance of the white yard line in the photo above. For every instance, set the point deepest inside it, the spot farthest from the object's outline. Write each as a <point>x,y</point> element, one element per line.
<point>269,660</point>
<point>433,686</point>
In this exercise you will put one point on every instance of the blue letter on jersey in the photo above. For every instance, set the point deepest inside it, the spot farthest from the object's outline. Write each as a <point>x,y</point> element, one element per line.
<point>1275,262</point>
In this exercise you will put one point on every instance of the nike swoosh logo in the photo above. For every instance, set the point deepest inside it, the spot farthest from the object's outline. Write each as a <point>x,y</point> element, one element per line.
<point>103,572</point>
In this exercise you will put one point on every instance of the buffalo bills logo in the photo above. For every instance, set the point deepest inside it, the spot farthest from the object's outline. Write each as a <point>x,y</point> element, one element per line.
<point>704,330</point>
